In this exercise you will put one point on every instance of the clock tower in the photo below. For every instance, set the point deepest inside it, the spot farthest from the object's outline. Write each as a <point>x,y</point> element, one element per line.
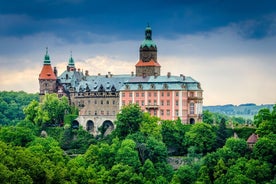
<point>147,64</point>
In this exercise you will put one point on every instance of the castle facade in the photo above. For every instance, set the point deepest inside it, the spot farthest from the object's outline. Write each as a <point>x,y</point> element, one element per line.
<point>100,97</point>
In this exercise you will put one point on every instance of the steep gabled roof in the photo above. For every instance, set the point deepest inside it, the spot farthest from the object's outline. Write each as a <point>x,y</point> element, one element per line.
<point>47,73</point>
<point>150,63</point>
<point>252,139</point>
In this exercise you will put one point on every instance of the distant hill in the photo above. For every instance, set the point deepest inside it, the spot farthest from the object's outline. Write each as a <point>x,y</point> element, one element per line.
<point>247,110</point>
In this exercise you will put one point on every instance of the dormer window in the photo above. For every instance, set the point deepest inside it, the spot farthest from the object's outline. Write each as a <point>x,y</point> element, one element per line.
<point>165,86</point>
<point>152,86</point>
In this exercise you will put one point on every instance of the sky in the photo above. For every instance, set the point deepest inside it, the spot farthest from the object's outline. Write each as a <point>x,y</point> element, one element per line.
<point>229,46</point>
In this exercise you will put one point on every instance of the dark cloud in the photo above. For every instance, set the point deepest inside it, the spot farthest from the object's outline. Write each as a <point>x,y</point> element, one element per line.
<point>75,20</point>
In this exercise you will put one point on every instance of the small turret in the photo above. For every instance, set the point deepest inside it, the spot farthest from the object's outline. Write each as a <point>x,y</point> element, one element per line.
<point>71,63</point>
<point>47,77</point>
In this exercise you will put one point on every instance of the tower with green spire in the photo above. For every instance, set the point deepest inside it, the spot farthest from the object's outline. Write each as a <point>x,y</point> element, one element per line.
<point>71,63</point>
<point>47,77</point>
<point>147,64</point>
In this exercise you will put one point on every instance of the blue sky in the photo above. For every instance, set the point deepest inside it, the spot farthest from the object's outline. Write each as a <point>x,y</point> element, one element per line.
<point>227,45</point>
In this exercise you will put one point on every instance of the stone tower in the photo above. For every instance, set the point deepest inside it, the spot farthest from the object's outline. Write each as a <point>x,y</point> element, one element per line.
<point>147,64</point>
<point>47,77</point>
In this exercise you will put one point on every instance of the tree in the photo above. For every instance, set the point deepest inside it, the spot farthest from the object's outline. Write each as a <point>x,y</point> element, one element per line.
<point>128,120</point>
<point>208,117</point>
<point>127,154</point>
<point>50,112</point>
<point>203,143</point>
<point>184,174</point>
<point>263,115</point>
<point>221,134</point>
<point>150,126</point>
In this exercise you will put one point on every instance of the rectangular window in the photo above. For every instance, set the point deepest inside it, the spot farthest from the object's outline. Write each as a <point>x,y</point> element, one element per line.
<point>137,94</point>
<point>155,112</point>
<point>162,93</point>
<point>155,94</point>
<point>168,112</point>
<point>130,94</point>
<point>155,103</point>
<point>107,102</point>
<point>96,113</point>
<point>176,93</point>
<point>123,94</point>
<point>102,112</point>
<point>113,102</point>
<point>192,108</point>
<point>113,112</point>
<point>149,94</point>
<point>101,101</point>
<point>168,102</point>
<point>176,112</point>
<point>162,112</point>
<point>143,94</point>
<point>176,102</point>
<point>95,102</point>
<point>137,102</point>
<point>162,102</point>
<point>149,102</point>
<point>107,113</point>
<point>142,103</point>
<point>123,102</point>
<point>168,93</point>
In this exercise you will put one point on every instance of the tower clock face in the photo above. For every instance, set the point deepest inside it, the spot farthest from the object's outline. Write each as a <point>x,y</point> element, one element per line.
<point>146,57</point>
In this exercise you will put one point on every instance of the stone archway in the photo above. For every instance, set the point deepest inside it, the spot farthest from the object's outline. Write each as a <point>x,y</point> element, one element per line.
<point>90,126</point>
<point>107,127</point>
<point>192,121</point>
<point>75,124</point>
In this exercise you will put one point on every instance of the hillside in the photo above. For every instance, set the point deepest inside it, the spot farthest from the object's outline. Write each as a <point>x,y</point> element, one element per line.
<point>244,110</point>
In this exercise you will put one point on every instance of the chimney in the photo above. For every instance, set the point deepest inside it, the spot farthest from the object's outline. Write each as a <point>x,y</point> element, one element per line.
<point>99,74</point>
<point>132,74</point>
<point>55,71</point>
<point>155,75</point>
<point>86,73</point>
<point>169,74</point>
<point>68,68</point>
<point>109,74</point>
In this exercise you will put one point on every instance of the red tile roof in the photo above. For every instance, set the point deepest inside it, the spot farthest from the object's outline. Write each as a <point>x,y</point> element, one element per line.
<point>252,139</point>
<point>150,63</point>
<point>47,73</point>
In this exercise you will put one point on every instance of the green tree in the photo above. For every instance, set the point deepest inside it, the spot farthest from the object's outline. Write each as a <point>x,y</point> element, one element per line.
<point>184,174</point>
<point>203,143</point>
<point>150,126</point>
<point>128,120</point>
<point>208,117</point>
<point>50,112</point>
<point>127,154</point>
<point>221,134</point>
<point>263,115</point>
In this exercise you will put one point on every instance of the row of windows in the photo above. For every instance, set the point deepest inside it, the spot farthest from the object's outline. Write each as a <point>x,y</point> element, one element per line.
<point>168,112</point>
<point>113,102</point>
<point>137,94</point>
<point>154,102</point>
<point>102,113</point>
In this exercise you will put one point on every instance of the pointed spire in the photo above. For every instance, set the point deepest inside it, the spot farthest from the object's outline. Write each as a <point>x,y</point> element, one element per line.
<point>47,60</point>
<point>148,42</point>
<point>71,62</point>
<point>148,32</point>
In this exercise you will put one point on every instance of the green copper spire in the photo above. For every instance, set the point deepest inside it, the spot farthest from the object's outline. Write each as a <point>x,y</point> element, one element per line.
<point>71,62</point>
<point>47,58</point>
<point>148,40</point>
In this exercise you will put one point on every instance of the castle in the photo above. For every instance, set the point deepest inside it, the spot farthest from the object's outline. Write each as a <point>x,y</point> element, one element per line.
<point>100,97</point>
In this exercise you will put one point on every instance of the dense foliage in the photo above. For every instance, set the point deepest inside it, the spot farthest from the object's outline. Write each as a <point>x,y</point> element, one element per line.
<point>136,152</point>
<point>12,104</point>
